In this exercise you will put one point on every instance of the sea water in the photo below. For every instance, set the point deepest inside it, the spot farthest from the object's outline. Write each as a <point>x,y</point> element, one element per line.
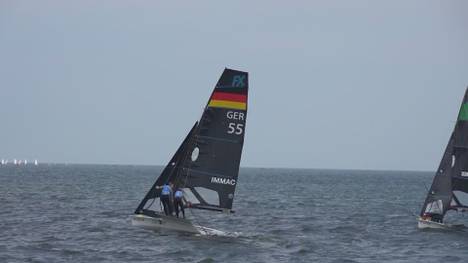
<point>81,213</point>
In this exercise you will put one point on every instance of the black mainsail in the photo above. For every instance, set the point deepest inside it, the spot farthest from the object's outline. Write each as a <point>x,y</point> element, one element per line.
<point>206,165</point>
<point>452,174</point>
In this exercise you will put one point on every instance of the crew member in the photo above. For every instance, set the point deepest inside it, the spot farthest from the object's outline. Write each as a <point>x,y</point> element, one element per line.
<point>165,197</point>
<point>178,202</point>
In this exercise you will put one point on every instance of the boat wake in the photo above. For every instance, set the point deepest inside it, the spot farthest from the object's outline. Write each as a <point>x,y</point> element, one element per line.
<point>205,231</point>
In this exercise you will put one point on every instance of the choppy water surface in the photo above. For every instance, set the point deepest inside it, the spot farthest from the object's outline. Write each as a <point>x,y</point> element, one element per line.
<point>80,213</point>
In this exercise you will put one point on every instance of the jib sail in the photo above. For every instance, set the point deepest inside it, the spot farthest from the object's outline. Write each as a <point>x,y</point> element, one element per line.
<point>452,175</point>
<point>206,165</point>
<point>170,171</point>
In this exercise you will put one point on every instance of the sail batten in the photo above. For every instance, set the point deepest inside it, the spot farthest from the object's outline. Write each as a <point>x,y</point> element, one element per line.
<point>216,139</point>
<point>195,171</point>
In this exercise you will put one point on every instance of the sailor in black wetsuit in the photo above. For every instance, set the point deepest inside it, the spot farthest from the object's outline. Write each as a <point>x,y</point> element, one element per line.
<point>178,202</point>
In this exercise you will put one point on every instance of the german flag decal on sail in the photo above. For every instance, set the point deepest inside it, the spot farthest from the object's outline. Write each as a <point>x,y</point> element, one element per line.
<point>228,101</point>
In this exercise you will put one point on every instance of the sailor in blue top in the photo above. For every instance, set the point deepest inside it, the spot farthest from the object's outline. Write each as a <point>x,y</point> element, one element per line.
<point>165,198</point>
<point>178,202</point>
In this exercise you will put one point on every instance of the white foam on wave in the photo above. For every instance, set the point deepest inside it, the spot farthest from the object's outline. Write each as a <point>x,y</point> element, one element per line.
<point>206,231</point>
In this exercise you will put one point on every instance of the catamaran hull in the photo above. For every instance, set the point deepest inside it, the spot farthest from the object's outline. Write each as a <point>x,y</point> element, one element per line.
<point>164,223</point>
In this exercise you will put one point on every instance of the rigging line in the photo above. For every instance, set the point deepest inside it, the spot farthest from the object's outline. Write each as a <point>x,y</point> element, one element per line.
<point>427,192</point>
<point>187,170</point>
<point>178,160</point>
<point>186,151</point>
<point>185,157</point>
<point>184,182</point>
<point>192,142</point>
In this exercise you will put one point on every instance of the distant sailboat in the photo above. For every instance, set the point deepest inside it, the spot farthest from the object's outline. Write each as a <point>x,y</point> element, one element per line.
<point>35,162</point>
<point>206,165</point>
<point>15,162</point>
<point>3,162</point>
<point>25,162</point>
<point>450,182</point>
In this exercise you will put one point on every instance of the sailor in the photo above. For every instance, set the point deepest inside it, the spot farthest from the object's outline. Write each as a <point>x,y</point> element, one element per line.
<point>165,198</point>
<point>178,202</point>
<point>434,217</point>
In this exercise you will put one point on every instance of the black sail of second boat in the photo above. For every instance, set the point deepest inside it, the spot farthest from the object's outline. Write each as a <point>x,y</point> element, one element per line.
<point>206,165</point>
<point>452,174</point>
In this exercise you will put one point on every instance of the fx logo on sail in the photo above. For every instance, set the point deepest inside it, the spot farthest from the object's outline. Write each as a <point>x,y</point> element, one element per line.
<point>238,81</point>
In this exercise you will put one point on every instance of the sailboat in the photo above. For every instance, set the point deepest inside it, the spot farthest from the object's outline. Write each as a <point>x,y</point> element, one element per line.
<point>450,185</point>
<point>35,162</point>
<point>206,164</point>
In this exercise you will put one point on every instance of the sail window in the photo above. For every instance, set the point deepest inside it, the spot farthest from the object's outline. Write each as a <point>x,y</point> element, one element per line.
<point>210,196</point>
<point>435,207</point>
<point>453,203</point>
<point>189,196</point>
<point>462,197</point>
<point>195,154</point>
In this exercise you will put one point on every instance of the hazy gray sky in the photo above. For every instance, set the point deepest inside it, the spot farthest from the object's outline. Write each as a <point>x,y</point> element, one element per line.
<point>333,84</point>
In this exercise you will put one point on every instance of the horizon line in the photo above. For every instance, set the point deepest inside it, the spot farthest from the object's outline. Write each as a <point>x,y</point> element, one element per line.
<point>244,167</point>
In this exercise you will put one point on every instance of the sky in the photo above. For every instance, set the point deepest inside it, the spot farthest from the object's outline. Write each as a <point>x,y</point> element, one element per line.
<point>333,84</point>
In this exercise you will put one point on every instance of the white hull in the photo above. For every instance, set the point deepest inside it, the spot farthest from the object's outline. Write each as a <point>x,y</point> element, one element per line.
<point>164,223</point>
<point>424,224</point>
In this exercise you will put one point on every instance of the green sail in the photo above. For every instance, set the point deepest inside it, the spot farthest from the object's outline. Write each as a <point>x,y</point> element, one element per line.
<point>463,115</point>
